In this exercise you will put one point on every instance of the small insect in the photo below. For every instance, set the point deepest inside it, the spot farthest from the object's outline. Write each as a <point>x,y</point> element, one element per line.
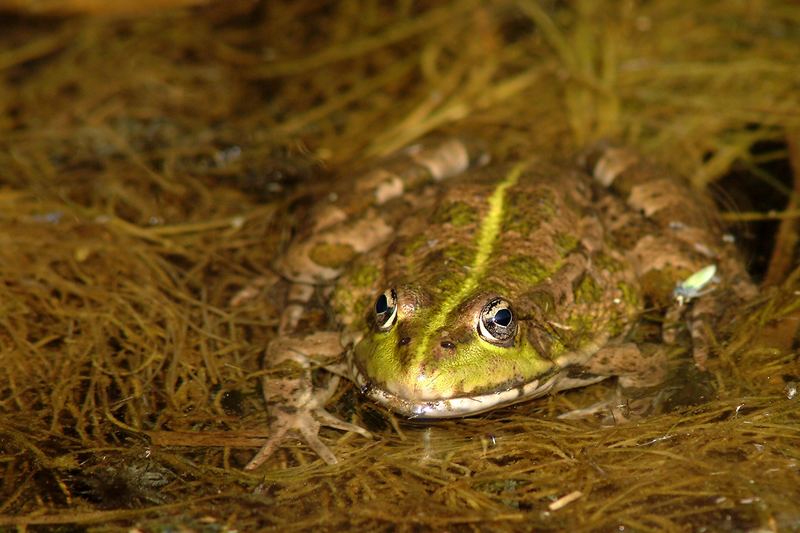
<point>692,287</point>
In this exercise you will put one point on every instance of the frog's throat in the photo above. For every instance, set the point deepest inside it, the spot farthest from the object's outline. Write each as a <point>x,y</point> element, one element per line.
<point>490,229</point>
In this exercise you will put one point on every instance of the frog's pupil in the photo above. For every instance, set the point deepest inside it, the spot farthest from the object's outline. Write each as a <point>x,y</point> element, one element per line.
<point>381,304</point>
<point>502,318</point>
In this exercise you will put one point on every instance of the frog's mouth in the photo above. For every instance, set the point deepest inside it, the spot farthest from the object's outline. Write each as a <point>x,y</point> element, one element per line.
<point>453,407</point>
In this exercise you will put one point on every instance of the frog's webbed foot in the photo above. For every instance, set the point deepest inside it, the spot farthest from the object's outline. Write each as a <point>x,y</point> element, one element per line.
<point>296,405</point>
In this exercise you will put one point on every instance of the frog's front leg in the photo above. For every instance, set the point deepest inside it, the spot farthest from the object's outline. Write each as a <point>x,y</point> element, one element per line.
<point>295,405</point>
<point>349,223</point>
<point>639,370</point>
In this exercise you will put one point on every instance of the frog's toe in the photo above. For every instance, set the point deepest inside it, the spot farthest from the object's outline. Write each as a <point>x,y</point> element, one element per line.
<point>616,410</point>
<point>274,440</point>
<point>590,411</point>
<point>286,422</point>
<point>608,412</point>
<point>327,419</point>
<point>305,423</point>
<point>308,427</point>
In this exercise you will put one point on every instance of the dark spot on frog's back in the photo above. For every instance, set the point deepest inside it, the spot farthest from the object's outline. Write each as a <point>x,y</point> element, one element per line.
<point>587,290</point>
<point>516,217</point>
<point>525,268</point>
<point>457,213</point>
<point>565,242</point>
<point>433,258</point>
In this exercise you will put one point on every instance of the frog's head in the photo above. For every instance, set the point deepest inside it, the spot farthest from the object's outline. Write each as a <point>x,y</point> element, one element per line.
<point>454,358</point>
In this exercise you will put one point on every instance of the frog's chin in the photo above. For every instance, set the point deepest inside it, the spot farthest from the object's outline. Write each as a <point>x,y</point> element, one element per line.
<point>451,407</point>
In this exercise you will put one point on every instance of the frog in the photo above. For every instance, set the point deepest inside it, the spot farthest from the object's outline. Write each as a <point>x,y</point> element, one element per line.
<point>459,284</point>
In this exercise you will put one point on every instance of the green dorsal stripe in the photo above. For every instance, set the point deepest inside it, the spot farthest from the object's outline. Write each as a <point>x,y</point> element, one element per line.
<point>490,230</point>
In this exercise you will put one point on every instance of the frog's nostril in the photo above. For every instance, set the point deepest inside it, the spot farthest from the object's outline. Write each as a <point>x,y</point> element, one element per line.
<point>403,341</point>
<point>447,345</point>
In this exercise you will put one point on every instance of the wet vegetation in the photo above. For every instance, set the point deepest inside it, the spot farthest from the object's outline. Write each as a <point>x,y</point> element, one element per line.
<point>155,159</point>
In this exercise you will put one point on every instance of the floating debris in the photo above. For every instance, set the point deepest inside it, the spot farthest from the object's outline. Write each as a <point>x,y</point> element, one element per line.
<point>565,500</point>
<point>692,287</point>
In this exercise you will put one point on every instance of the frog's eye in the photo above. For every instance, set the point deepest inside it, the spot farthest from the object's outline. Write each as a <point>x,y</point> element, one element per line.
<point>386,310</point>
<point>497,324</point>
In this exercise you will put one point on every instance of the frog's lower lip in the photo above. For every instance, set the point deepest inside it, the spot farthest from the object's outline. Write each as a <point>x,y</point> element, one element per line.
<point>454,407</point>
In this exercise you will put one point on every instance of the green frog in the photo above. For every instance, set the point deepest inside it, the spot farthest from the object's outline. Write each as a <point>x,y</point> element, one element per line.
<point>460,286</point>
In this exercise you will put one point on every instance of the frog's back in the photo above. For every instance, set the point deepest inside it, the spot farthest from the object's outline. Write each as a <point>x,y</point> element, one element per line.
<point>531,236</point>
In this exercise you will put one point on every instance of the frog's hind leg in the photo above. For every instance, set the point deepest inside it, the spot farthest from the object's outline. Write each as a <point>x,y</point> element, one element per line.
<point>671,232</point>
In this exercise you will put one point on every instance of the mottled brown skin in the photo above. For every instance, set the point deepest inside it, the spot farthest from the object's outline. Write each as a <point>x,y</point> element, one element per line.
<point>551,234</point>
<point>579,252</point>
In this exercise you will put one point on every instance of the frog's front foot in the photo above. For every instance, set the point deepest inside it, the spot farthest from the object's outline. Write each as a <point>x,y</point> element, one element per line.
<point>304,421</point>
<point>296,405</point>
<point>640,369</point>
<point>618,409</point>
